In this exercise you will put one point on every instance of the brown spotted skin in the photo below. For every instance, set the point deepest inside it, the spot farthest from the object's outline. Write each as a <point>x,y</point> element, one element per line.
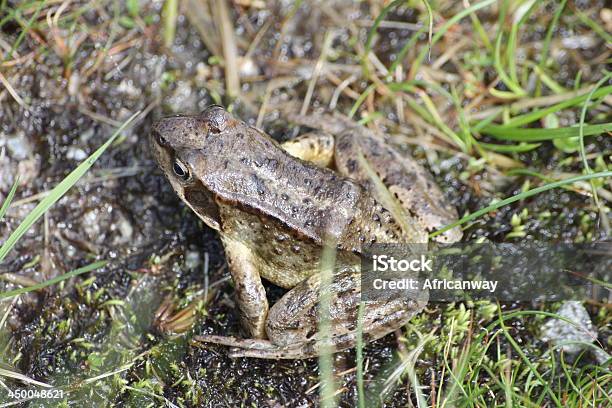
<point>274,212</point>
<point>408,181</point>
<point>244,168</point>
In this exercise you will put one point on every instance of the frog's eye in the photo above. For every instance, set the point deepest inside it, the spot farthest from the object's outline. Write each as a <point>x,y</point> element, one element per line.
<point>181,170</point>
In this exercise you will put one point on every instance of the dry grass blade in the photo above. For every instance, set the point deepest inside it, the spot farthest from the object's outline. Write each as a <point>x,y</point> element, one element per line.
<point>329,38</point>
<point>200,17</point>
<point>230,50</point>
<point>12,91</point>
<point>23,378</point>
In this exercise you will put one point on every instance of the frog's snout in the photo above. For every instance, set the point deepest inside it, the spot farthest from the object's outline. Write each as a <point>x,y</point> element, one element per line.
<point>178,131</point>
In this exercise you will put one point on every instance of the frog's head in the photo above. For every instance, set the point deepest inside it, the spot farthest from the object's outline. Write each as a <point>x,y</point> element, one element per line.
<point>188,148</point>
<point>211,156</point>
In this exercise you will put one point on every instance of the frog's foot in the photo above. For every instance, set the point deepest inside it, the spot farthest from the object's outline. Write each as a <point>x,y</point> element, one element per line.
<point>255,344</point>
<point>256,348</point>
<point>292,323</point>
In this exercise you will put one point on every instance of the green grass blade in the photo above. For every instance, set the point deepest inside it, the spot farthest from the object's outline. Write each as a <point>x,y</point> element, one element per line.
<point>540,135</point>
<point>359,351</point>
<point>408,46</point>
<point>546,44</point>
<point>9,198</point>
<point>585,163</point>
<point>542,76</point>
<point>520,148</point>
<point>464,127</point>
<point>169,18</point>
<point>327,391</point>
<point>57,279</point>
<point>481,32</point>
<point>521,196</point>
<point>531,173</point>
<point>411,86</point>
<point>514,37</point>
<point>416,64</point>
<point>374,28</point>
<point>58,192</point>
<point>430,20</point>
<point>515,88</point>
<point>539,114</point>
<point>607,37</point>
<point>25,30</point>
<point>532,368</point>
<point>432,116</point>
<point>361,99</point>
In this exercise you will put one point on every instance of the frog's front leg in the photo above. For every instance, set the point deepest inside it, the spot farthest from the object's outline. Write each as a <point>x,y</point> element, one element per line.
<point>250,293</point>
<point>315,147</point>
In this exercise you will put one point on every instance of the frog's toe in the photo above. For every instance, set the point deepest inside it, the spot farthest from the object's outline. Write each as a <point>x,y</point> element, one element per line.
<point>235,342</point>
<point>274,353</point>
<point>223,340</point>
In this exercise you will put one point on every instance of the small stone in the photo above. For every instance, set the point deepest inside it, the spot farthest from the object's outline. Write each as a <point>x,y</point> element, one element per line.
<point>560,332</point>
<point>247,68</point>
<point>606,17</point>
<point>76,153</point>
<point>128,88</point>
<point>125,229</point>
<point>192,259</point>
<point>74,83</point>
<point>18,146</point>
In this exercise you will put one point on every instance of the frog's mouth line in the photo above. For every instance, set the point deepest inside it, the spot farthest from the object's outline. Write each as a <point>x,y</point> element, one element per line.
<point>201,201</point>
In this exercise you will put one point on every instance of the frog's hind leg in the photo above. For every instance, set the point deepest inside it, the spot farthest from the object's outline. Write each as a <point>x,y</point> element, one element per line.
<point>314,147</point>
<point>374,163</point>
<point>293,321</point>
<point>312,347</point>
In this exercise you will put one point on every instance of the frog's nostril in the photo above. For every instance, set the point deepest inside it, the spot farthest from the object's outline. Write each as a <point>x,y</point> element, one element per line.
<point>159,138</point>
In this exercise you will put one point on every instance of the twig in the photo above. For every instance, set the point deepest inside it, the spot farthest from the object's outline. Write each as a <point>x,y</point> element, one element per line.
<point>230,51</point>
<point>13,93</point>
<point>329,37</point>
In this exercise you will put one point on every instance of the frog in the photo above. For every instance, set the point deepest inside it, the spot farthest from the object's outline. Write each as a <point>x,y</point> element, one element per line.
<point>277,207</point>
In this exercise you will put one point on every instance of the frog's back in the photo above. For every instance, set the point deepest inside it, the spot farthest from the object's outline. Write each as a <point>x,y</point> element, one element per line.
<point>410,185</point>
<point>296,209</point>
<point>260,178</point>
